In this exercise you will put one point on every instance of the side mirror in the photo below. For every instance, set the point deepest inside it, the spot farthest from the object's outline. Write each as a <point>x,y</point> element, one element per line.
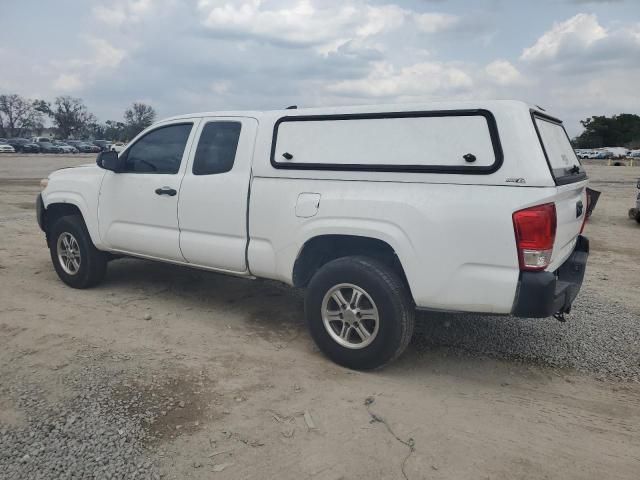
<point>109,161</point>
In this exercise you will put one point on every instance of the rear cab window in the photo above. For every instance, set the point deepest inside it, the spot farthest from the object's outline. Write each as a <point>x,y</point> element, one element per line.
<point>217,148</point>
<point>562,159</point>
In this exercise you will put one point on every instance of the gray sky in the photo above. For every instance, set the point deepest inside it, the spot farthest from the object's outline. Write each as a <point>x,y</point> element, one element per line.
<point>574,57</point>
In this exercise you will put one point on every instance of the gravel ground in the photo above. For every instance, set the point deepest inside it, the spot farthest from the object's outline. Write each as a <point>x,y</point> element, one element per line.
<point>599,336</point>
<point>93,434</point>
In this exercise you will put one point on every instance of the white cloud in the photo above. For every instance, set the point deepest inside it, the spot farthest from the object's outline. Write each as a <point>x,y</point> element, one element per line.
<point>301,23</point>
<point>67,82</point>
<point>382,19</point>
<point>582,46</point>
<point>220,88</point>
<point>324,25</point>
<point>577,33</point>
<point>502,72</point>
<point>113,16</point>
<point>76,73</point>
<point>122,12</point>
<point>435,22</point>
<point>104,54</point>
<point>420,80</point>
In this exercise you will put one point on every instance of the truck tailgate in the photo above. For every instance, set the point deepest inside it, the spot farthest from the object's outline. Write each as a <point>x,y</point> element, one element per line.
<point>571,208</point>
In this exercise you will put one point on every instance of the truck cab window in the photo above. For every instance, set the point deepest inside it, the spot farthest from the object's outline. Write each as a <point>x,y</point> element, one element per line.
<point>159,151</point>
<point>217,148</point>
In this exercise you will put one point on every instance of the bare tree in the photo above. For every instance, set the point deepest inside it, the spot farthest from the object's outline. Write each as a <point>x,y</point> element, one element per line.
<point>19,115</point>
<point>138,117</point>
<point>70,116</point>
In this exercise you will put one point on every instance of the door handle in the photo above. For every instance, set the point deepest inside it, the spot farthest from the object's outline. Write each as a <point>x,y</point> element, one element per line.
<point>166,191</point>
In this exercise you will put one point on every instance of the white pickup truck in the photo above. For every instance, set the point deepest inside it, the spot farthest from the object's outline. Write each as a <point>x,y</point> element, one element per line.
<point>376,210</point>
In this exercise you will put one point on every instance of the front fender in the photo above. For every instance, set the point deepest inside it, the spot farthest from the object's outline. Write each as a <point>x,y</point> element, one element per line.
<point>87,210</point>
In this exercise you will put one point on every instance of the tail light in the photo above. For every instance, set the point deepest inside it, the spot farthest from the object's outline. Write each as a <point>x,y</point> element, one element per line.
<point>535,230</point>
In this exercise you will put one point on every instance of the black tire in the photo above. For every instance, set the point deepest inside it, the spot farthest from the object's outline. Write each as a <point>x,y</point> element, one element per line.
<point>93,262</point>
<point>389,293</point>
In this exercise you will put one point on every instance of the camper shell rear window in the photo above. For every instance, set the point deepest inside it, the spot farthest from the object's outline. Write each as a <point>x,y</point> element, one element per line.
<point>449,141</point>
<point>558,151</point>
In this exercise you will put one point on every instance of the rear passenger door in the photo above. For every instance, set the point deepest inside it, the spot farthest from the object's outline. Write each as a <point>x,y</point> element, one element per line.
<point>212,208</point>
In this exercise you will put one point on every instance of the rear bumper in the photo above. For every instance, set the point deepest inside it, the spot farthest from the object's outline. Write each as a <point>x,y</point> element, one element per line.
<point>542,294</point>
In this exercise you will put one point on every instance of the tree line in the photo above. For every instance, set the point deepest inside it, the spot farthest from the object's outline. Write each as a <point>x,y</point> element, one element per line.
<point>22,117</point>
<point>621,130</point>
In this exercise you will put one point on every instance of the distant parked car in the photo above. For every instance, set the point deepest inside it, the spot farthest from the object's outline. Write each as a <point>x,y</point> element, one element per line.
<point>118,147</point>
<point>83,146</point>
<point>42,139</point>
<point>582,154</point>
<point>88,148</point>
<point>46,146</point>
<point>65,147</point>
<point>23,145</point>
<point>6,148</point>
<point>105,145</point>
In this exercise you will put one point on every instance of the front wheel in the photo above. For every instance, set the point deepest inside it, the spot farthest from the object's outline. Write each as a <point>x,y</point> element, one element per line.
<point>76,260</point>
<point>359,312</point>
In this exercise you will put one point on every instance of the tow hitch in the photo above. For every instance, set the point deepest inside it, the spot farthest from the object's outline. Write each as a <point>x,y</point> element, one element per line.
<point>560,317</point>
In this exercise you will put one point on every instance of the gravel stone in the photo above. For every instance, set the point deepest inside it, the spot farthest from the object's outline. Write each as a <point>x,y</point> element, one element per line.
<point>599,337</point>
<point>92,434</point>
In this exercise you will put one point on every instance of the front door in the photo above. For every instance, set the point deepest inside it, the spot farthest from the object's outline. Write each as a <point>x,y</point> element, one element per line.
<point>138,207</point>
<point>212,208</point>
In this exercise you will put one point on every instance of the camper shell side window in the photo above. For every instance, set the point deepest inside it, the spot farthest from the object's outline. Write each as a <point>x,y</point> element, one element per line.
<point>447,141</point>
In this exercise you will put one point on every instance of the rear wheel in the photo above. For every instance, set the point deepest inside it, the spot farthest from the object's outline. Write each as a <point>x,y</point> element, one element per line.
<point>359,312</point>
<point>76,260</point>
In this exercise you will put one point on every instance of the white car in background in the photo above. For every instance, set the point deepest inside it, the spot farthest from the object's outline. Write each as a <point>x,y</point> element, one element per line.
<point>6,148</point>
<point>582,154</point>
<point>118,147</point>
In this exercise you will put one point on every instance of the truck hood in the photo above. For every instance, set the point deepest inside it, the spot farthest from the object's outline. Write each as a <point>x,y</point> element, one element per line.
<point>73,170</point>
<point>78,185</point>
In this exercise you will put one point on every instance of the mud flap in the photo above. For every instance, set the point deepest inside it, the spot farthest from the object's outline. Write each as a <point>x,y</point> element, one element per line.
<point>592,199</point>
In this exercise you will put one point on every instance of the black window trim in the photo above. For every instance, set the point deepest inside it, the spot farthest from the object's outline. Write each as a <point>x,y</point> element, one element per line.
<point>560,180</point>
<point>197,144</point>
<point>451,169</point>
<point>129,147</point>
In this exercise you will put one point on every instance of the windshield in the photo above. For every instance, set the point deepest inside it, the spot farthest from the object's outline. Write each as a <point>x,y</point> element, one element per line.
<point>564,164</point>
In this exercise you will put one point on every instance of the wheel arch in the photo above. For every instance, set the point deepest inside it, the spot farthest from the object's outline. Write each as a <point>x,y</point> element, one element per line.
<point>56,207</point>
<point>321,249</point>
